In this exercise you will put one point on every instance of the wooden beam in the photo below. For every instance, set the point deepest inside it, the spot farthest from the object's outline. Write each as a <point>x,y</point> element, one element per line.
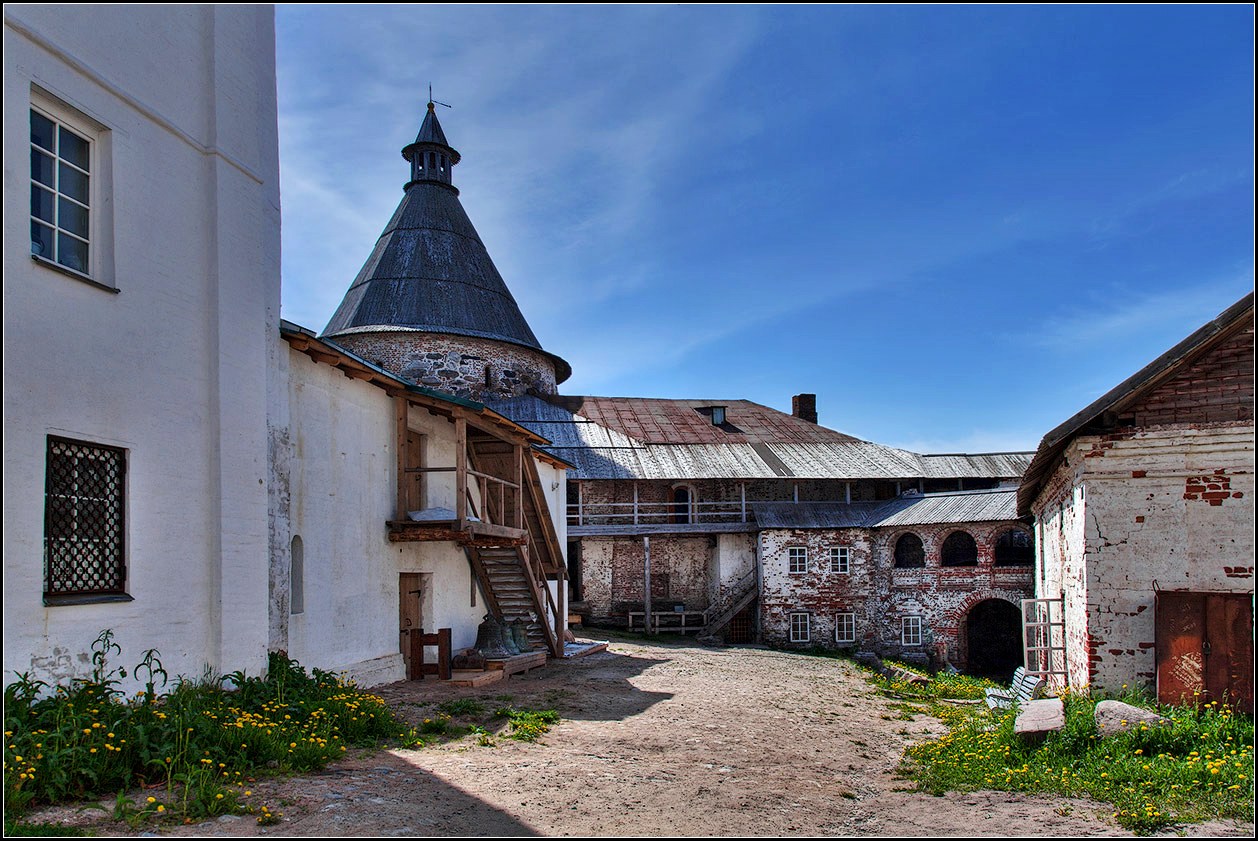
<point>401,415</point>
<point>518,515</point>
<point>460,482</point>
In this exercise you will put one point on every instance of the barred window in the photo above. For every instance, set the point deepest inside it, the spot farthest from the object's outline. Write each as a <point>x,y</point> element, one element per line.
<point>800,628</point>
<point>911,630</point>
<point>798,559</point>
<point>840,557</point>
<point>83,519</point>
<point>845,627</point>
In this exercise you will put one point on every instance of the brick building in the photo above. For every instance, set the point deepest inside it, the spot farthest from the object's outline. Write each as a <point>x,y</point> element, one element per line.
<point>1144,516</point>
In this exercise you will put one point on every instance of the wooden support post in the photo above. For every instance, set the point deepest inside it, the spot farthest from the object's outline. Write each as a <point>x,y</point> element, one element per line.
<point>795,486</point>
<point>847,492</point>
<point>460,472</point>
<point>580,506</point>
<point>742,495</point>
<point>635,503</point>
<point>519,487</point>
<point>400,410</point>
<point>646,581</point>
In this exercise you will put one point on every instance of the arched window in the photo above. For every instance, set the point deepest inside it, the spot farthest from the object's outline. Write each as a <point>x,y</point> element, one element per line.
<point>681,505</point>
<point>959,550</point>
<point>297,577</point>
<point>909,552</point>
<point>1014,548</point>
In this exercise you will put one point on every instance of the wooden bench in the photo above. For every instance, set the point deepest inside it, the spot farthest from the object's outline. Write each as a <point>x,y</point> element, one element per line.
<point>1025,687</point>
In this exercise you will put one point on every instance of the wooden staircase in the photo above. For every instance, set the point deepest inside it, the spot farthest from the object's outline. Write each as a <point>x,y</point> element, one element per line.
<point>739,596</point>
<point>514,575</point>
<point>511,592</point>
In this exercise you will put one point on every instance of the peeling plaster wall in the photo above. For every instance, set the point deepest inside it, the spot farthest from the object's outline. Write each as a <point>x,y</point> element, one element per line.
<point>1061,547</point>
<point>612,568</point>
<point>1171,506</point>
<point>879,594</point>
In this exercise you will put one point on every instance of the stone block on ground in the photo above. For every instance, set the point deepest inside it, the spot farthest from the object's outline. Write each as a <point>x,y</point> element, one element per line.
<point>1036,719</point>
<point>1113,717</point>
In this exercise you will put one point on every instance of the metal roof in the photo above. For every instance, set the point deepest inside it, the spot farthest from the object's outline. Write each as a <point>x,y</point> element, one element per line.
<point>763,443</point>
<point>906,510</point>
<point>429,272</point>
<point>1127,393</point>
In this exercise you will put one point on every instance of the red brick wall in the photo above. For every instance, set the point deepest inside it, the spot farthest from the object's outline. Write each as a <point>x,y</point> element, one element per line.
<point>1217,388</point>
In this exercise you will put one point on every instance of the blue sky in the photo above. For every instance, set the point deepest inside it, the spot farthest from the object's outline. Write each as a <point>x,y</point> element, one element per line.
<point>957,225</point>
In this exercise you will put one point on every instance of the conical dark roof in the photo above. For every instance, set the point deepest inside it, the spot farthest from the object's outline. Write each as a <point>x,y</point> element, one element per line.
<point>430,272</point>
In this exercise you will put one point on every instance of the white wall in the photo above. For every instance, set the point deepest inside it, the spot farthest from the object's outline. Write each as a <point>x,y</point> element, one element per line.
<point>342,490</point>
<point>174,366</point>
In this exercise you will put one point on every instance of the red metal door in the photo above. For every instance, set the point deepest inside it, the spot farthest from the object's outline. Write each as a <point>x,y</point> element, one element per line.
<point>1205,648</point>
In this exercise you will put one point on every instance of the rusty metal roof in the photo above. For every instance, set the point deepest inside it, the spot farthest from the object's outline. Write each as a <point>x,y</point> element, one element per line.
<point>906,510</point>
<point>755,443</point>
<point>430,272</point>
<point>1128,392</point>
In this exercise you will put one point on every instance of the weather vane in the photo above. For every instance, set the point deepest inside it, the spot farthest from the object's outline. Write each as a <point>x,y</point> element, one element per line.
<point>430,99</point>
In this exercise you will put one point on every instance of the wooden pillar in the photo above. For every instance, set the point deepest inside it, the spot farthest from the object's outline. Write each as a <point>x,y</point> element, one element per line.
<point>795,488</point>
<point>400,410</point>
<point>742,495</point>
<point>646,581</point>
<point>580,506</point>
<point>460,472</point>
<point>847,492</point>
<point>519,487</point>
<point>635,503</point>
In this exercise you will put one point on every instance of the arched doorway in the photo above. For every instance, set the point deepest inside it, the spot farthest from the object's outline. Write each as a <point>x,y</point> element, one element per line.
<point>993,636</point>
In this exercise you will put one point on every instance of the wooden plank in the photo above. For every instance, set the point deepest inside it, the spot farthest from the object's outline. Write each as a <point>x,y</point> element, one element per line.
<point>518,663</point>
<point>460,455</point>
<point>474,678</point>
<point>400,417</point>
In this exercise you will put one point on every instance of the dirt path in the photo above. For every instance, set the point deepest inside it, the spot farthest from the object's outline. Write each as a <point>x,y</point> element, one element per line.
<point>663,740</point>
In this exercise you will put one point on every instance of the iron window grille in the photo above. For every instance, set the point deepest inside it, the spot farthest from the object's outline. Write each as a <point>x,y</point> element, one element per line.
<point>60,193</point>
<point>840,558</point>
<point>801,630</point>
<point>83,519</point>
<point>845,627</point>
<point>797,559</point>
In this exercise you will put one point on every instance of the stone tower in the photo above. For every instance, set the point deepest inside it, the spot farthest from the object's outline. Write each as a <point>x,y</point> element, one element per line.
<point>429,305</point>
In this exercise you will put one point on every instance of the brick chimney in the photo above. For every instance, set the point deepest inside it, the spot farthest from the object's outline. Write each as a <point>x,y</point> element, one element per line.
<point>804,406</point>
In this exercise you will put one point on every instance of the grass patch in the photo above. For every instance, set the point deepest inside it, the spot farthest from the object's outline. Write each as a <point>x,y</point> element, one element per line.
<point>1199,766</point>
<point>527,725</point>
<point>200,742</point>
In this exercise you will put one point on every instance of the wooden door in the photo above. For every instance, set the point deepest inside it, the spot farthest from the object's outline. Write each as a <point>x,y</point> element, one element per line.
<point>410,617</point>
<point>1205,645</point>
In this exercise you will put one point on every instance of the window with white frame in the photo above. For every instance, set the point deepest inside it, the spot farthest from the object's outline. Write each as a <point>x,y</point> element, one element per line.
<point>845,627</point>
<point>797,559</point>
<point>61,192</point>
<point>840,557</point>
<point>911,630</point>
<point>801,630</point>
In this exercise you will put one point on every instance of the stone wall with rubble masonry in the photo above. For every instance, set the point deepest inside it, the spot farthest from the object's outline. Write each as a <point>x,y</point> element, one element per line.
<point>461,365</point>
<point>879,594</point>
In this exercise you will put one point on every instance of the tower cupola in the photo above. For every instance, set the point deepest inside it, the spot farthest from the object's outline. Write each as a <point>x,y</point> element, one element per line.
<point>430,156</point>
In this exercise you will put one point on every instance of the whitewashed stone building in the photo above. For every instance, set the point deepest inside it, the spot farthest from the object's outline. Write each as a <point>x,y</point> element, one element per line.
<point>141,315</point>
<point>1144,518</point>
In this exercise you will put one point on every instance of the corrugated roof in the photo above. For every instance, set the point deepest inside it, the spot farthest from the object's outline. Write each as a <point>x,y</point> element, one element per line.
<point>767,444</point>
<point>907,510</point>
<point>1128,392</point>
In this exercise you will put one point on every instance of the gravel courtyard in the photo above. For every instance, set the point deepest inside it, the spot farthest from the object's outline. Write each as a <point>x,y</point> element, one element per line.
<point>661,739</point>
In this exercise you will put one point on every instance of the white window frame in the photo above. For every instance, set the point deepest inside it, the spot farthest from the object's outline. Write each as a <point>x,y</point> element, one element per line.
<point>911,631</point>
<point>99,269</point>
<point>845,628</point>
<point>840,559</point>
<point>798,633</point>
<point>797,560</point>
